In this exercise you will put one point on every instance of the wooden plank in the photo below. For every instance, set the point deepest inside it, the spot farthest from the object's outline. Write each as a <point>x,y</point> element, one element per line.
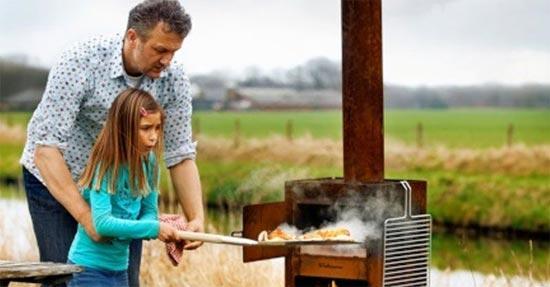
<point>21,270</point>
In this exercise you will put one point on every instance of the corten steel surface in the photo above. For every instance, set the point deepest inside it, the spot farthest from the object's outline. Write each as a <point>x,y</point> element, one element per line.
<point>305,196</point>
<point>260,217</point>
<point>362,90</point>
<point>307,204</point>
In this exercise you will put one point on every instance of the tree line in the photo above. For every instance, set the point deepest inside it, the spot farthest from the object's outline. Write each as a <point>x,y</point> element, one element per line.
<point>316,74</point>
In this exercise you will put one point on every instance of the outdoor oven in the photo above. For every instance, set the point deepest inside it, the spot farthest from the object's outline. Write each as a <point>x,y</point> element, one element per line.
<point>396,252</point>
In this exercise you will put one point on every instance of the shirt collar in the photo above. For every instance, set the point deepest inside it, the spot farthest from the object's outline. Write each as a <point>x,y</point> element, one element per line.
<point>116,66</point>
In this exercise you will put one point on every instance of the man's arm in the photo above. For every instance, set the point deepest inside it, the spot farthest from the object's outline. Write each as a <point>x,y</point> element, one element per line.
<point>186,182</point>
<point>59,108</point>
<point>54,171</point>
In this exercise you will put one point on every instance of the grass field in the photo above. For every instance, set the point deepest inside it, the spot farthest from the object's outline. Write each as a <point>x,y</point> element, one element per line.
<point>473,128</point>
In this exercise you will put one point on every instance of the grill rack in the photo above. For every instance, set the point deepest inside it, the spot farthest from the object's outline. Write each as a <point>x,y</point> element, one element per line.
<point>407,245</point>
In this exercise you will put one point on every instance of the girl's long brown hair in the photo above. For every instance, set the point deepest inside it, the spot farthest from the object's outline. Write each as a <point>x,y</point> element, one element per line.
<point>117,144</point>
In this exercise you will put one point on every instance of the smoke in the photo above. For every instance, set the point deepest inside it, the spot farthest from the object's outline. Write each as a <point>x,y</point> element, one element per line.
<point>290,229</point>
<point>362,216</point>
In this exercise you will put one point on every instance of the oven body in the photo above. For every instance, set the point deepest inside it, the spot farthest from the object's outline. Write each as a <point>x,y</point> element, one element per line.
<point>311,203</point>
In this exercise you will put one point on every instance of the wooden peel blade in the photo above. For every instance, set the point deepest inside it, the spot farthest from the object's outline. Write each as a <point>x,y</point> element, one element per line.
<point>291,243</point>
<point>215,238</point>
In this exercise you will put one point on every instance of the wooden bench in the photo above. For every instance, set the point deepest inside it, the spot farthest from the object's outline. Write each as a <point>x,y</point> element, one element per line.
<point>36,272</point>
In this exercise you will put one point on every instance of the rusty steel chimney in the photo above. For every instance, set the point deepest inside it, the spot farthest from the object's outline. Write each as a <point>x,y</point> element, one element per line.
<point>362,92</point>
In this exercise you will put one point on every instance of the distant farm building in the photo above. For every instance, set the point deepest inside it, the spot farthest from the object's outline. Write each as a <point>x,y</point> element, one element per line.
<point>282,99</point>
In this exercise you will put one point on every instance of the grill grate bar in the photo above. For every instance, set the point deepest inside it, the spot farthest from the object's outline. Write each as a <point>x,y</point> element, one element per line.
<point>420,240</point>
<point>424,219</point>
<point>407,247</point>
<point>408,280</point>
<point>406,261</point>
<point>423,272</point>
<point>390,268</point>
<point>400,228</point>
<point>392,258</point>
<point>426,229</point>
<point>410,275</point>
<point>407,234</point>
<point>413,284</point>
<point>403,252</point>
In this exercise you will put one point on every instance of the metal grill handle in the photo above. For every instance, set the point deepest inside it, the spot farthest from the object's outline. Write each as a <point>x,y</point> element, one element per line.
<point>408,199</point>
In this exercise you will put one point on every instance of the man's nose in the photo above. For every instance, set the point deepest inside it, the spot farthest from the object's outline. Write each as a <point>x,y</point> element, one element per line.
<point>165,60</point>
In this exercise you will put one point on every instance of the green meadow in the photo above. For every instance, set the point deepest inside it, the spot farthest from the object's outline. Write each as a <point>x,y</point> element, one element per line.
<point>471,128</point>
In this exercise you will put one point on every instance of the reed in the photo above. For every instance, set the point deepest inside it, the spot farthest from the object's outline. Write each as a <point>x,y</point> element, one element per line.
<point>518,159</point>
<point>210,265</point>
<point>12,133</point>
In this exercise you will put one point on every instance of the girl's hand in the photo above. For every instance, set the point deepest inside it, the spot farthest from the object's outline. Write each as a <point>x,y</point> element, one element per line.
<point>167,233</point>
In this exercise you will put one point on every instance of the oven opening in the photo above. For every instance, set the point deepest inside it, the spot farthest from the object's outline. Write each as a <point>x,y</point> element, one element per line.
<point>313,216</point>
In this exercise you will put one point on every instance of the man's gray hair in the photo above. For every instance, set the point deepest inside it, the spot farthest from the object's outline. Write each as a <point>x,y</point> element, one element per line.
<point>146,15</point>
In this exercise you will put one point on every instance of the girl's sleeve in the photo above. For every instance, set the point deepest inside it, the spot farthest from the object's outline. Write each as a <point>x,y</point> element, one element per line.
<point>149,204</point>
<point>109,226</point>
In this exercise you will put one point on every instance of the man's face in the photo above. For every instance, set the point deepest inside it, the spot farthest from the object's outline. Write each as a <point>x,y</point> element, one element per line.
<point>152,55</point>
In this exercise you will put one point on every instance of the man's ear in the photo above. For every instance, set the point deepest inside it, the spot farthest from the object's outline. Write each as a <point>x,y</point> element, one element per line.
<point>132,37</point>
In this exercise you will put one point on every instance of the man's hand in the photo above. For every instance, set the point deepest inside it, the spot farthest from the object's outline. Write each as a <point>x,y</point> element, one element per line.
<point>186,180</point>
<point>167,233</point>
<point>86,221</point>
<point>196,225</point>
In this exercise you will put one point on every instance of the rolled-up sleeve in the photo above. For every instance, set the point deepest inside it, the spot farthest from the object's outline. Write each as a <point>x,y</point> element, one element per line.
<point>178,143</point>
<point>61,101</point>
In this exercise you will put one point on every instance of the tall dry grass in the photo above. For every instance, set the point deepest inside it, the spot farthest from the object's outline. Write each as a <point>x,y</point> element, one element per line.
<point>518,159</point>
<point>12,134</point>
<point>515,160</point>
<point>211,265</point>
<point>17,240</point>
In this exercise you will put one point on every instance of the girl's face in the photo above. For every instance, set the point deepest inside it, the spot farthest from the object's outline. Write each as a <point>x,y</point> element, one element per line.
<point>149,131</point>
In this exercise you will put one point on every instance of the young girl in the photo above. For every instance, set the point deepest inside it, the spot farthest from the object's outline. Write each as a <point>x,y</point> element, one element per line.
<point>120,183</point>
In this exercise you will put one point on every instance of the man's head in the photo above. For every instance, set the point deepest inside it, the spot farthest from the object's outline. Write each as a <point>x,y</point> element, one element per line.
<point>155,31</point>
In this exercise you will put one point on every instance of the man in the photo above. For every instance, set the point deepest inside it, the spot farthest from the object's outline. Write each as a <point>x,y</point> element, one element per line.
<point>78,94</point>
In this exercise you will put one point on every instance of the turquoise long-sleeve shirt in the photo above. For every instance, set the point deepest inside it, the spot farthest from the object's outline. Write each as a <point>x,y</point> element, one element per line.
<point>120,217</point>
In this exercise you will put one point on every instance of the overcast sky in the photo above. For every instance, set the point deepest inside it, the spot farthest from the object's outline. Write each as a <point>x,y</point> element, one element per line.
<point>425,42</point>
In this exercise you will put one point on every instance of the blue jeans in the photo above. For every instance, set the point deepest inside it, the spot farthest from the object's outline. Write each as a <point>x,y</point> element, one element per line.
<point>92,277</point>
<point>54,227</point>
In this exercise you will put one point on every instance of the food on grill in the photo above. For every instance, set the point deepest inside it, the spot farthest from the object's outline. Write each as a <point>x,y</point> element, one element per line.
<point>278,234</point>
<point>337,233</point>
